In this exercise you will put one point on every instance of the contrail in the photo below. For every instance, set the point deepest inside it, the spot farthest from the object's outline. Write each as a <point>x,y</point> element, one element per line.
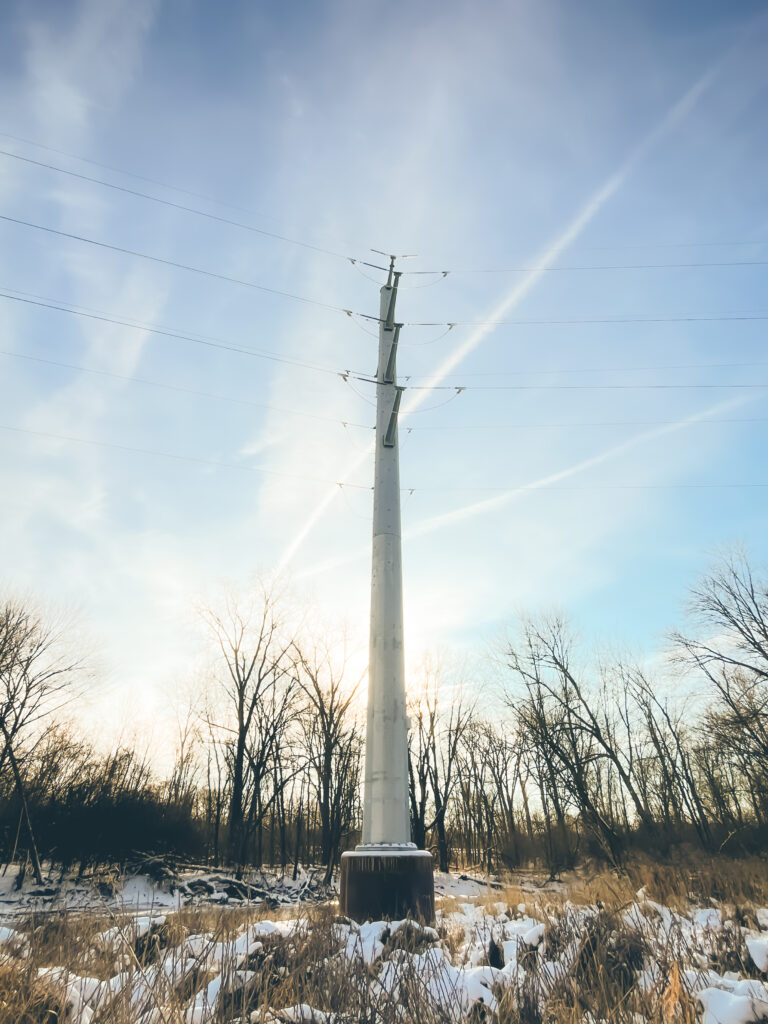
<point>553,252</point>
<point>499,500</point>
<point>674,116</point>
<point>487,505</point>
<point>319,511</point>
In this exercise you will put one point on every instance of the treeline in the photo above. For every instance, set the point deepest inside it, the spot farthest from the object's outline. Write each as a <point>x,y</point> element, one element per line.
<point>563,757</point>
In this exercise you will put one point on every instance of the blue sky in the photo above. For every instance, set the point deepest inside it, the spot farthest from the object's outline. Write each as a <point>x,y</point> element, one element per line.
<point>485,136</point>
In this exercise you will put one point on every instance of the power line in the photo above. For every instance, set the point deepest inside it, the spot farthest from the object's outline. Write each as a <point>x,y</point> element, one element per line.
<point>364,487</point>
<point>716,485</point>
<point>177,206</point>
<point>594,369</point>
<point>168,333</point>
<point>182,390</point>
<point>243,209</point>
<point>104,317</point>
<point>460,388</point>
<point>350,423</point>
<point>131,174</point>
<point>182,458</point>
<point>347,375</point>
<point>570,425</point>
<point>622,247</point>
<point>576,321</point>
<point>179,266</point>
<point>597,266</point>
<point>119,170</point>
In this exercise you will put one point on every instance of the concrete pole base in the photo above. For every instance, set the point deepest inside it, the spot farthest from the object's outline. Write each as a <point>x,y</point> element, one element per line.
<point>387,883</point>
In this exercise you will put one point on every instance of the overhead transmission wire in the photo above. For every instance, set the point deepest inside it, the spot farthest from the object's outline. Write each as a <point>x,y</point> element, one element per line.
<point>180,206</point>
<point>356,262</point>
<point>243,209</point>
<point>127,174</point>
<point>589,321</point>
<point>348,378</point>
<point>346,424</point>
<point>168,333</point>
<point>570,424</point>
<point>179,266</point>
<point>231,399</point>
<point>709,243</point>
<point>172,188</point>
<point>549,268</point>
<point>342,485</point>
<point>460,388</point>
<point>429,341</point>
<point>450,324</point>
<point>103,317</point>
<point>617,247</point>
<point>409,490</point>
<point>713,485</point>
<point>182,458</point>
<point>592,369</point>
<point>331,252</point>
<point>345,376</point>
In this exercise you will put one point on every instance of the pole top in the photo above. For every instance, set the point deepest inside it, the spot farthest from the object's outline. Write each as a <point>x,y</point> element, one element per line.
<point>392,257</point>
<point>396,256</point>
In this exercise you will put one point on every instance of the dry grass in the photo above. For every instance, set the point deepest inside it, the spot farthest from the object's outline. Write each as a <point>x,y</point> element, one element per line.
<point>600,953</point>
<point>227,921</point>
<point>26,1000</point>
<point>696,879</point>
<point>67,939</point>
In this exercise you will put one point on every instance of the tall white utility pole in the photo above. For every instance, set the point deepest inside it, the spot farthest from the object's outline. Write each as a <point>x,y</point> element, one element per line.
<point>386,876</point>
<point>385,814</point>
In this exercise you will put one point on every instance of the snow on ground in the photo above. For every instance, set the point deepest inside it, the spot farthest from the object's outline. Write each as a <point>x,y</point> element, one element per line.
<point>483,949</point>
<point>156,887</point>
<point>171,890</point>
<point>462,886</point>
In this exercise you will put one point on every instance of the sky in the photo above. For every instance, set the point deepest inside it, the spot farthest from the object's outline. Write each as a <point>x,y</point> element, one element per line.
<point>592,174</point>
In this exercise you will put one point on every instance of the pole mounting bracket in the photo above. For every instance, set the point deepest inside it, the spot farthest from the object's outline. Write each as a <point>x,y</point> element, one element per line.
<point>390,435</point>
<point>389,372</point>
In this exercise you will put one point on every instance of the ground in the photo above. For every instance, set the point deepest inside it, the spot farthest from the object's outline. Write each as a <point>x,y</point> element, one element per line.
<point>192,948</point>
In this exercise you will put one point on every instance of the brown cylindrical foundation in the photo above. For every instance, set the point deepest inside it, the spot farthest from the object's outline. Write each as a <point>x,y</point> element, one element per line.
<point>387,884</point>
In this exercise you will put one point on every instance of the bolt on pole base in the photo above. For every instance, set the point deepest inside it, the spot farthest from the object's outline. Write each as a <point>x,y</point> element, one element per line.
<point>381,882</point>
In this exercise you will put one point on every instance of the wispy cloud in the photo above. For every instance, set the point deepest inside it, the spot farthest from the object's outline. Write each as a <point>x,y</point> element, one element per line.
<point>493,504</point>
<point>477,508</point>
<point>82,66</point>
<point>518,293</point>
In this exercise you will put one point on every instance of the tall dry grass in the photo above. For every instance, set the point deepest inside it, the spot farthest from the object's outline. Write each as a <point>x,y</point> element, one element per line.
<point>604,957</point>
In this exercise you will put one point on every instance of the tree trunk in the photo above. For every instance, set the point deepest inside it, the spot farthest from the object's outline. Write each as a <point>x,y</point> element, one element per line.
<point>24,809</point>
<point>235,836</point>
<point>442,841</point>
<point>298,843</point>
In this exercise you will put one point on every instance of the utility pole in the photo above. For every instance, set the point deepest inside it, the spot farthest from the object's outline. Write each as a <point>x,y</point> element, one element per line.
<point>386,876</point>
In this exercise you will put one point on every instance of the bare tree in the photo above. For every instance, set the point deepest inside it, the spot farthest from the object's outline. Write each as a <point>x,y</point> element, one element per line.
<point>678,777</point>
<point>584,727</point>
<point>437,730</point>
<point>217,780</point>
<point>729,608</point>
<point>37,673</point>
<point>271,764</point>
<point>251,639</point>
<point>182,784</point>
<point>499,747</point>
<point>422,722</point>
<point>332,744</point>
<point>728,644</point>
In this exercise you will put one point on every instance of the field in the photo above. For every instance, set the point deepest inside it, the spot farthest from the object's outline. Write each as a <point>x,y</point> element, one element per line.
<point>658,944</point>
